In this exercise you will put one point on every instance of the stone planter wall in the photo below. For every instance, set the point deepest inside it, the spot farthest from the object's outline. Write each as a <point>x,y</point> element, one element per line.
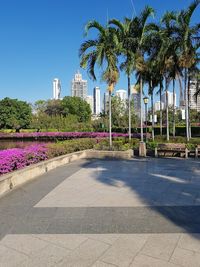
<point>16,178</point>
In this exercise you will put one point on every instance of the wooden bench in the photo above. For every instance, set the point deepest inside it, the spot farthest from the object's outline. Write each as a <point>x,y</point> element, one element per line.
<point>197,151</point>
<point>172,148</point>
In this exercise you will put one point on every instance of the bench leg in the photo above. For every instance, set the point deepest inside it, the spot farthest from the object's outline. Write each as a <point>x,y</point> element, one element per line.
<point>186,153</point>
<point>156,152</point>
<point>196,152</point>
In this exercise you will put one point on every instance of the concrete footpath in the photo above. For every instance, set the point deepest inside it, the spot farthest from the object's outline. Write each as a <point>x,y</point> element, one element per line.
<point>140,212</point>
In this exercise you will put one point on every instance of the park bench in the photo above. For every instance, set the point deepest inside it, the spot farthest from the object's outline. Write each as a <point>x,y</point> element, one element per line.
<point>197,151</point>
<point>172,149</point>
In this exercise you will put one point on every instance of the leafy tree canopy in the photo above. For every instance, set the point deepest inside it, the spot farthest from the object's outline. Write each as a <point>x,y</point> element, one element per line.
<point>14,114</point>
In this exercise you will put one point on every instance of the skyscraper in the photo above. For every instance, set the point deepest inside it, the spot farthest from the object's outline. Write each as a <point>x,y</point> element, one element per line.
<point>170,99</point>
<point>89,100</point>
<point>106,102</point>
<point>194,102</point>
<point>121,94</point>
<point>56,89</point>
<point>97,100</point>
<point>135,95</point>
<point>79,86</point>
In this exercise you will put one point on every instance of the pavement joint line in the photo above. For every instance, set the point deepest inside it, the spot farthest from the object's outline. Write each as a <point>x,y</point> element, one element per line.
<point>109,263</point>
<point>98,258</point>
<point>16,250</point>
<point>139,252</point>
<point>175,247</point>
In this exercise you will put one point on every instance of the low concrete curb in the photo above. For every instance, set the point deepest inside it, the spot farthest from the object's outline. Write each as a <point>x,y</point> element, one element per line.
<point>16,178</point>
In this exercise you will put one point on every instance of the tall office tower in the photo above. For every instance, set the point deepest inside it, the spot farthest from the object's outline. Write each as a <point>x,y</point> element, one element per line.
<point>106,102</point>
<point>56,89</point>
<point>97,100</point>
<point>122,94</point>
<point>194,102</point>
<point>89,100</point>
<point>79,86</point>
<point>170,99</point>
<point>157,106</point>
<point>135,95</point>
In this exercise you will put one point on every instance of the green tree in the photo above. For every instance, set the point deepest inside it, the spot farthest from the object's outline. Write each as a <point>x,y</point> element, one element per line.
<point>76,106</point>
<point>102,51</point>
<point>14,114</point>
<point>188,40</point>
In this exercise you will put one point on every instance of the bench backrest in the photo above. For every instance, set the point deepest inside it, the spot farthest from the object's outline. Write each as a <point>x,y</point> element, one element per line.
<point>171,146</point>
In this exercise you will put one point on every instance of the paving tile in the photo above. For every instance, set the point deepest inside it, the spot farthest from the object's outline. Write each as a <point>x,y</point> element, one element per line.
<point>10,257</point>
<point>103,264</point>
<point>146,261</point>
<point>65,241</point>
<point>160,246</point>
<point>190,242</point>
<point>185,258</point>
<point>26,244</point>
<point>106,238</point>
<point>85,255</point>
<point>124,249</point>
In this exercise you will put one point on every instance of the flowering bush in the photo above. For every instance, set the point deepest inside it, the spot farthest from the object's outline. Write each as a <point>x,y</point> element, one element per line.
<point>64,135</point>
<point>17,158</point>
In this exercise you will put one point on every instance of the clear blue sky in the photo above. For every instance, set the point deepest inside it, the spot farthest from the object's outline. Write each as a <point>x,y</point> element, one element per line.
<point>40,41</point>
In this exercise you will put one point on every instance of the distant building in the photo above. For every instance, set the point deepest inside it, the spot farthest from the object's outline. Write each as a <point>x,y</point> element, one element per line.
<point>122,94</point>
<point>89,100</point>
<point>106,102</point>
<point>194,102</point>
<point>79,86</point>
<point>170,99</point>
<point>135,95</point>
<point>97,100</point>
<point>157,106</point>
<point>56,89</point>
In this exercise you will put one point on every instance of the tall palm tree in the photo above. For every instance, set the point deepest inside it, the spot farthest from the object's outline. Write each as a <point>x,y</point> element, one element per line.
<point>102,52</point>
<point>139,29</point>
<point>126,40</point>
<point>187,37</point>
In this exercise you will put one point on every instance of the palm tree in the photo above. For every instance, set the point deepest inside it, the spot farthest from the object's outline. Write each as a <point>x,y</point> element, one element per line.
<point>126,40</point>
<point>188,43</point>
<point>139,29</point>
<point>102,52</point>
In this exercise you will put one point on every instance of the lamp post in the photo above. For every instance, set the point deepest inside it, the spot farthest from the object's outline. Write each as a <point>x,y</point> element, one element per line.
<point>146,100</point>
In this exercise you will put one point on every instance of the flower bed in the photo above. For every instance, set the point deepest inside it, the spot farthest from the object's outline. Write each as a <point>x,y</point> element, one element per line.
<point>62,135</point>
<point>17,158</point>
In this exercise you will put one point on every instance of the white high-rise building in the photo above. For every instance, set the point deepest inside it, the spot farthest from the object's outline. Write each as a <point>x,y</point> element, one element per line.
<point>89,100</point>
<point>56,89</point>
<point>194,102</point>
<point>97,100</point>
<point>135,95</point>
<point>170,99</point>
<point>121,94</point>
<point>79,86</point>
<point>157,106</point>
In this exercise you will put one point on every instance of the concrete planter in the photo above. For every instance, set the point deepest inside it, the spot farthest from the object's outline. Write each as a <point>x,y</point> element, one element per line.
<point>16,178</point>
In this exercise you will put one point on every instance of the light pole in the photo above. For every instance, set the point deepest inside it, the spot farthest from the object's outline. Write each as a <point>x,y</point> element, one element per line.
<point>146,100</point>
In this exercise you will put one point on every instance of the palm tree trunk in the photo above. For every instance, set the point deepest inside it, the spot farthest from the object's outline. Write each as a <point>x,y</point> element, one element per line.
<point>129,108</point>
<point>174,123</point>
<point>186,106</point>
<point>110,121</point>
<point>181,102</point>
<point>189,122</point>
<point>160,109</point>
<point>167,109</point>
<point>141,115</point>
<point>152,116</point>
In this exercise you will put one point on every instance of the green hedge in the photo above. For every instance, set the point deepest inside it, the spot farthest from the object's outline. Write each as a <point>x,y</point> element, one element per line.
<point>70,146</point>
<point>180,131</point>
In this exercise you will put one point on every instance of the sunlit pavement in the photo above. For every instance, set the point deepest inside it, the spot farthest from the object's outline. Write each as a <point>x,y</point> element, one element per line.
<point>142,212</point>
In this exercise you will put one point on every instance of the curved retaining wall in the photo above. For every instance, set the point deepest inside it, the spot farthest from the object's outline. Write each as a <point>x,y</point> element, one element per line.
<point>16,178</point>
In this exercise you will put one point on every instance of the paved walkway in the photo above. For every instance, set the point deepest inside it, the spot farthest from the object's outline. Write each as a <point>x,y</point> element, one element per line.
<point>105,213</point>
